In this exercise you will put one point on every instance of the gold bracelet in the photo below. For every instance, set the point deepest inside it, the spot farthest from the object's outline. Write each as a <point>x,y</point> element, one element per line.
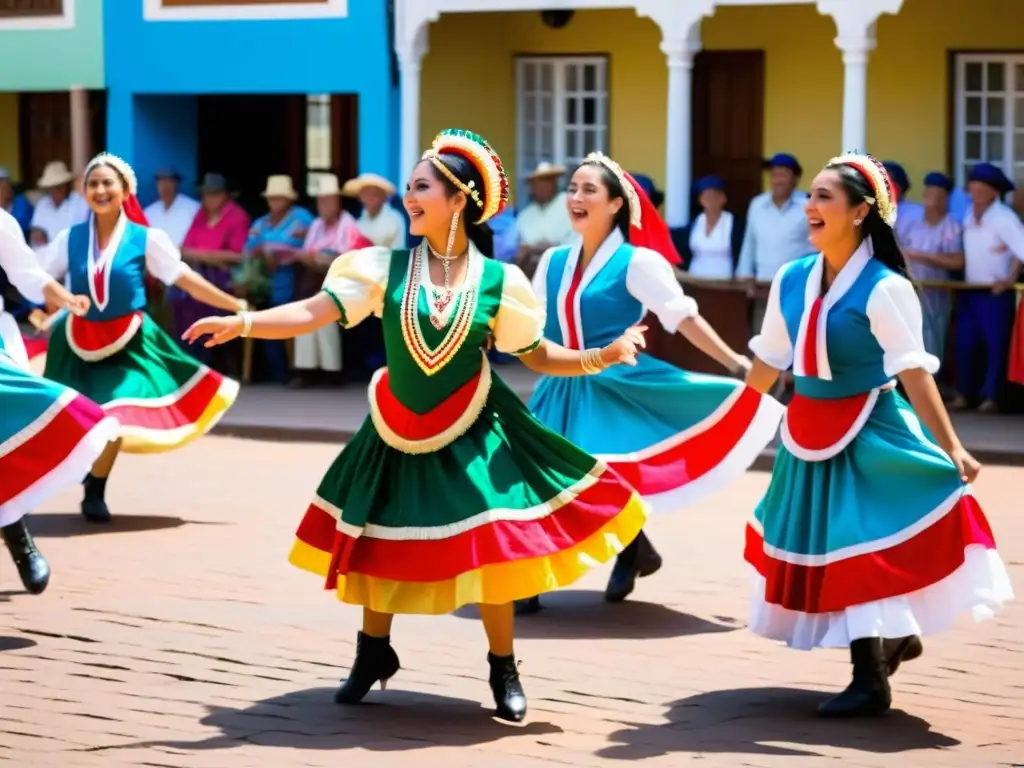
<point>591,362</point>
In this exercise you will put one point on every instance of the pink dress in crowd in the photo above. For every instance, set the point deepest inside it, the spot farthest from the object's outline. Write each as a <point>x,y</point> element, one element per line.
<point>227,234</point>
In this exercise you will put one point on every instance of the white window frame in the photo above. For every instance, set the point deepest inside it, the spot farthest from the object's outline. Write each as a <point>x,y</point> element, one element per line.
<point>1012,133</point>
<point>155,10</point>
<point>319,140</point>
<point>560,94</point>
<point>65,20</point>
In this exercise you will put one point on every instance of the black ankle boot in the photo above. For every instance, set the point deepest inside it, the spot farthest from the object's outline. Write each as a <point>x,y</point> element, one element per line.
<point>637,560</point>
<point>509,697</point>
<point>868,693</point>
<point>900,649</point>
<point>529,606</point>
<point>32,566</point>
<point>94,505</point>
<point>376,661</point>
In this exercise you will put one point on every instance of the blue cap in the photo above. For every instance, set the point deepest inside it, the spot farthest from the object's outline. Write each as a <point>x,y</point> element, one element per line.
<point>939,179</point>
<point>898,174</point>
<point>989,174</point>
<point>708,182</point>
<point>168,173</point>
<point>647,185</point>
<point>784,160</point>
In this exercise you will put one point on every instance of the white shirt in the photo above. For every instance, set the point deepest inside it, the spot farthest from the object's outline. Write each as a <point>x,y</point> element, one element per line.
<point>163,259</point>
<point>893,310</point>
<point>539,224</point>
<point>19,261</point>
<point>991,243</point>
<point>775,236</point>
<point>649,279</point>
<point>386,229</point>
<point>712,251</point>
<point>174,220</point>
<point>52,219</point>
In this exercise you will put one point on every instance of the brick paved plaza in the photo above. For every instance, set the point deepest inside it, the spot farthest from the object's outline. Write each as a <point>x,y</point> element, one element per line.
<point>180,636</point>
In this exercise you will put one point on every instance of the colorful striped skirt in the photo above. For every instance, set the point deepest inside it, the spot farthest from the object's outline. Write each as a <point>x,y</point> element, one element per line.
<point>162,397</point>
<point>475,502</point>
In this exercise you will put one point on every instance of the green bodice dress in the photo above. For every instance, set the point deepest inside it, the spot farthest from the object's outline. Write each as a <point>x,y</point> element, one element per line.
<point>452,492</point>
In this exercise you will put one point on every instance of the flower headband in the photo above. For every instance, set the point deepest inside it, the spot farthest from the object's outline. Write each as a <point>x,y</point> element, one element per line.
<point>119,165</point>
<point>632,199</point>
<point>876,175</point>
<point>476,150</point>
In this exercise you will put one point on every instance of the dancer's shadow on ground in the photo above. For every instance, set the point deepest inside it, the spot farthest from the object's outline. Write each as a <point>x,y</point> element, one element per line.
<point>60,525</point>
<point>582,615</point>
<point>750,721</point>
<point>15,643</point>
<point>394,721</point>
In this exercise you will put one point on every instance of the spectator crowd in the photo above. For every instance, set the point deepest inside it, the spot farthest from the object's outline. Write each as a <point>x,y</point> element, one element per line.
<point>964,245</point>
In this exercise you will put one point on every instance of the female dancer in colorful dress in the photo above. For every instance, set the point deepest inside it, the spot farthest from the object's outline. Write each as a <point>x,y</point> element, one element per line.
<point>868,535</point>
<point>49,434</point>
<point>451,492</point>
<point>675,436</point>
<point>116,354</point>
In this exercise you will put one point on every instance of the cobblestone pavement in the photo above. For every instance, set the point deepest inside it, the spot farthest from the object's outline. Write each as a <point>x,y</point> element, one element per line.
<point>179,636</point>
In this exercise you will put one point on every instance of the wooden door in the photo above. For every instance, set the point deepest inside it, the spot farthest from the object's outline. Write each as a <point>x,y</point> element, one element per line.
<point>249,137</point>
<point>45,129</point>
<point>728,121</point>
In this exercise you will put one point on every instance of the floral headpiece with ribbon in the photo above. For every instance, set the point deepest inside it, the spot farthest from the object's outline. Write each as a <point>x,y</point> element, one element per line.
<point>132,208</point>
<point>475,149</point>
<point>625,181</point>
<point>119,165</point>
<point>878,177</point>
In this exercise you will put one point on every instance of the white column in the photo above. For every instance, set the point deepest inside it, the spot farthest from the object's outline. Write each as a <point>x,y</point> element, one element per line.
<point>855,25</point>
<point>81,129</point>
<point>410,59</point>
<point>856,53</point>
<point>679,51</point>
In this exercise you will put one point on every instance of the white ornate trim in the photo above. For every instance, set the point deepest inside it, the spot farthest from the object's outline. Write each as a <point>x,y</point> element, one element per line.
<point>812,290</point>
<point>95,355</point>
<point>598,262</point>
<point>65,20</point>
<point>867,547</point>
<point>446,436</point>
<point>155,10</point>
<point>824,454</point>
<point>439,532</point>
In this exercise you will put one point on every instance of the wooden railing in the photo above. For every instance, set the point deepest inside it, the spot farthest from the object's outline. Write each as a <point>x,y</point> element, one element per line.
<point>726,305</point>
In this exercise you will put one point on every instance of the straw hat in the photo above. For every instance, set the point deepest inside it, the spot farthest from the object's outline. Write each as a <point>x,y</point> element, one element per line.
<point>354,186</point>
<point>325,185</point>
<point>55,174</point>
<point>546,170</point>
<point>280,186</point>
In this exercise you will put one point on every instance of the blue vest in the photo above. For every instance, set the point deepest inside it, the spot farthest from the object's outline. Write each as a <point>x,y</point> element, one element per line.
<point>854,356</point>
<point>607,308</point>
<point>127,285</point>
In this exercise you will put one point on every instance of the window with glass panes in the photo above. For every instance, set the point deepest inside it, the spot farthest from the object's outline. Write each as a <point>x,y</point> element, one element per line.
<point>990,113</point>
<point>318,139</point>
<point>562,110</point>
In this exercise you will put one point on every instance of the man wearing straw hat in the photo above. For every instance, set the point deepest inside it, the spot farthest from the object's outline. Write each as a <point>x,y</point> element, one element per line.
<point>380,222</point>
<point>544,223</point>
<point>333,233</point>
<point>59,208</point>
<point>274,242</point>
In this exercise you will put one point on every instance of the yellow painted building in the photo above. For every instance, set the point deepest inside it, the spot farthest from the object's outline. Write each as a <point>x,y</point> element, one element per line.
<point>469,79</point>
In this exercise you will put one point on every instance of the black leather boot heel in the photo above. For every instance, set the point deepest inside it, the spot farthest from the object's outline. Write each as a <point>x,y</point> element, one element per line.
<point>376,662</point>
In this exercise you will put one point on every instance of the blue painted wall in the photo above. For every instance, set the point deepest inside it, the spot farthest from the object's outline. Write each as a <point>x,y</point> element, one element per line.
<point>145,59</point>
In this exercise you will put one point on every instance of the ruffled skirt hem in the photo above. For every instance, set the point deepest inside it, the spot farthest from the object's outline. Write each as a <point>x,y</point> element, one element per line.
<point>980,586</point>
